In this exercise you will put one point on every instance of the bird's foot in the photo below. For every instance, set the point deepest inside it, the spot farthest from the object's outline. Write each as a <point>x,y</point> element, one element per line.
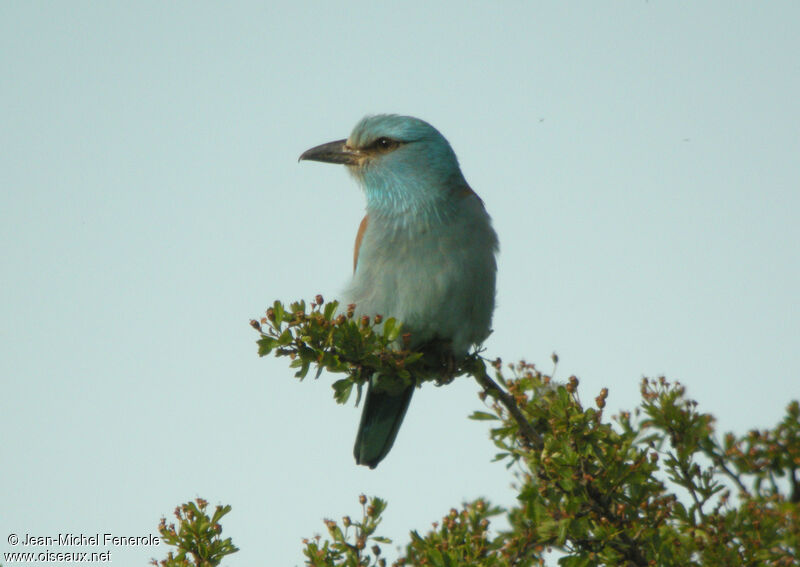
<point>449,369</point>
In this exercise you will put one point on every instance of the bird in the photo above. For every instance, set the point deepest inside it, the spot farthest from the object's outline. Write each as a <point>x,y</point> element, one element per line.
<point>425,254</point>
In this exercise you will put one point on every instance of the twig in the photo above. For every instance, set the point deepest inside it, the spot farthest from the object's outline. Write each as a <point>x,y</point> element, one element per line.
<point>720,462</point>
<point>492,388</point>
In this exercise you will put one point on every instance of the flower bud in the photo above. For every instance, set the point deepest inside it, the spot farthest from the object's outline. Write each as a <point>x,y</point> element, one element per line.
<point>572,384</point>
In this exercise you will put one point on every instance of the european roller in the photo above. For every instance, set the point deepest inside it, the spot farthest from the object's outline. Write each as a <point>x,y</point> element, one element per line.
<point>424,253</point>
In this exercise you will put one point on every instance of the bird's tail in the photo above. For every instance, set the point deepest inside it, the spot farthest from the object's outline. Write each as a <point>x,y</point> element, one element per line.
<point>380,421</point>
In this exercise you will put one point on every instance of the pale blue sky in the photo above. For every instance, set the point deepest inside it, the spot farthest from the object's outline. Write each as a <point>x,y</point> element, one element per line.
<point>640,161</point>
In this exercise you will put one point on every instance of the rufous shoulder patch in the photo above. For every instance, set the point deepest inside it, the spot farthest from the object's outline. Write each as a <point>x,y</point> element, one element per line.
<point>467,191</point>
<point>362,228</point>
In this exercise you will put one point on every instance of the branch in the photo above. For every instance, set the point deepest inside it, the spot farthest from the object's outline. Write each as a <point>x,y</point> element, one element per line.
<point>493,389</point>
<point>719,461</point>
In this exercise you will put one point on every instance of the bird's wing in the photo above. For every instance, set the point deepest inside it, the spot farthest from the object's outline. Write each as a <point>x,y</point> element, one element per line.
<point>362,228</point>
<point>468,192</point>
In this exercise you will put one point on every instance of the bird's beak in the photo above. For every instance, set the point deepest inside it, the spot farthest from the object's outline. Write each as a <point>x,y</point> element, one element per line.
<point>333,152</point>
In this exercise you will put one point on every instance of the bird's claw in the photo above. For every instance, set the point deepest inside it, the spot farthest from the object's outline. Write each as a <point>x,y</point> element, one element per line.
<point>449,369</point>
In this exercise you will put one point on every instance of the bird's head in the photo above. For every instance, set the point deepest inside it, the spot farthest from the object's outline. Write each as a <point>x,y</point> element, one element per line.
<point>403,163</point>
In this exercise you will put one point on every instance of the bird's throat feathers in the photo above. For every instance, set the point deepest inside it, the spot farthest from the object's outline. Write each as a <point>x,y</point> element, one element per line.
<point>404,199</point>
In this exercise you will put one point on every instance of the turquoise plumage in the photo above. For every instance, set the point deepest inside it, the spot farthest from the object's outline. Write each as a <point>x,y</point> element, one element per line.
<point>424,254</point>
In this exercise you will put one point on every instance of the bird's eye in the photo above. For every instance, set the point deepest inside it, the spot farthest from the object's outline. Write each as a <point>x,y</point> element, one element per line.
<point>385,143</point>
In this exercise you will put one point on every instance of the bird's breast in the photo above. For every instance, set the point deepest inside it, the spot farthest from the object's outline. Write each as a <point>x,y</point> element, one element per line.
<point>438,278</point>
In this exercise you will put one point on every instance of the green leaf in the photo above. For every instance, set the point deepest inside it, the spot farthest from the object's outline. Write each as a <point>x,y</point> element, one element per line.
<point>391,329</point>
<point>563,526</point>
<point>266,345</point>
<point>436,557</point>
<point>298,306</point>
<point>342,389</point>
<point>413,357</point>
<point>483,416</point>
<point>575,561</point>
<point>279,312</point>
<point>285,338</point>
<point>219,513</point>
<point>330,309</point>
<point>305,363</point>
